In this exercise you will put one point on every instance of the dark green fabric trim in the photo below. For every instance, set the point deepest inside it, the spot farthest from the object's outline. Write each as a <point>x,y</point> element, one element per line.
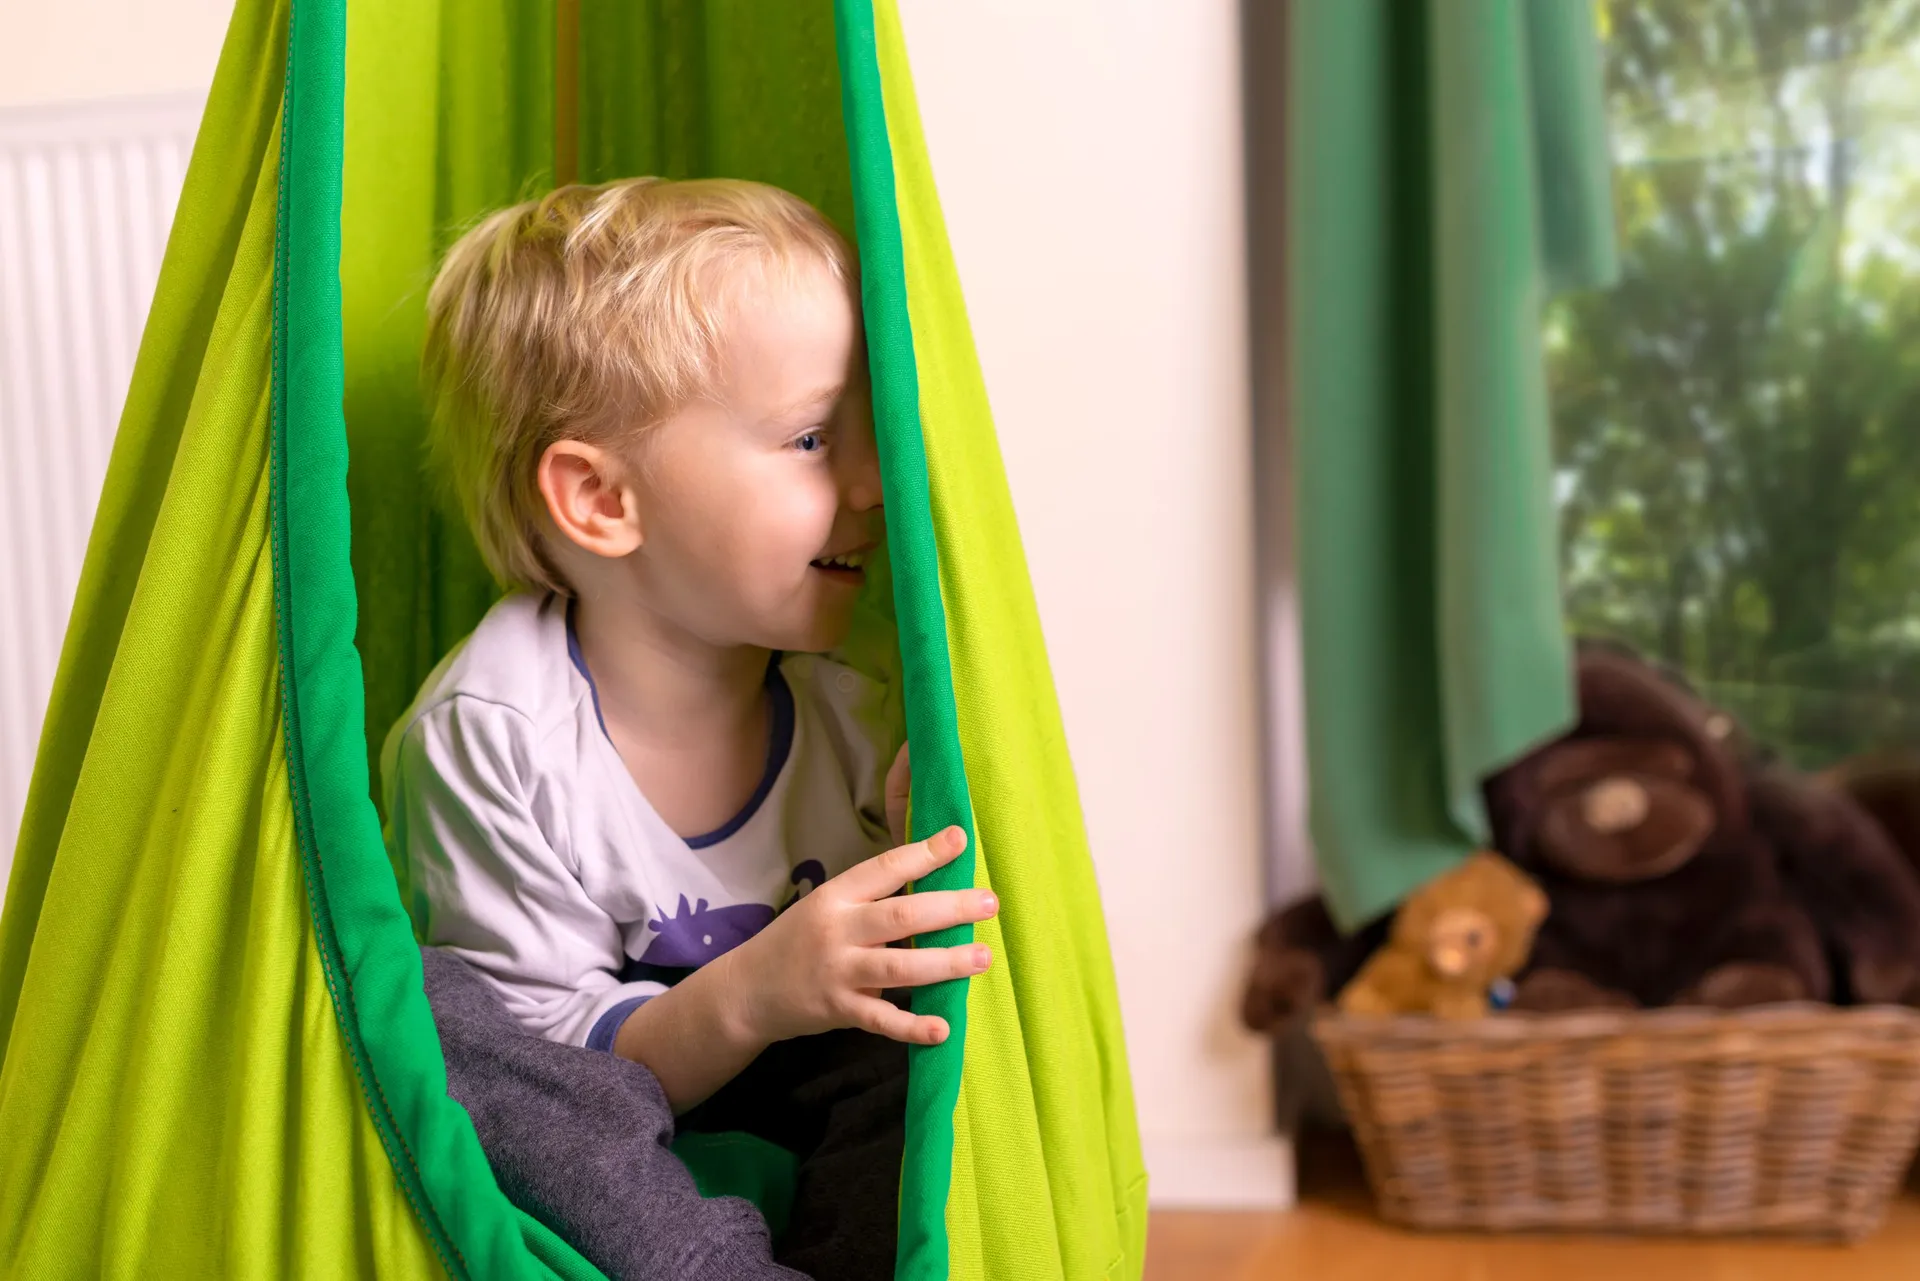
<point>940,796</point>
<point>307,384</point>
<point>366,941</point>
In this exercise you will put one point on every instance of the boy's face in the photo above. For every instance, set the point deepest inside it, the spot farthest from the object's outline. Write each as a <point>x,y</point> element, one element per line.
<point>758,505</point>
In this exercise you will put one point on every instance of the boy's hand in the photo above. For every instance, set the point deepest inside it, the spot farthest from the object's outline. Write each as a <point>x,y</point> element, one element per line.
<point>899,788</point>
<point>823,963</point>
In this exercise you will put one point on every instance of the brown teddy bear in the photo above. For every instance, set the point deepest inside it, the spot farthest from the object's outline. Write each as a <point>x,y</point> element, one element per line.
<point>1684,871</point>
<point>1452,941</point>
<point>1680,869</point>
<point>1637,825</point>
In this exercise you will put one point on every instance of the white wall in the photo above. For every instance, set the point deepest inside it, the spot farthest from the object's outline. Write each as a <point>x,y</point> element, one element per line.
<point>68,70</point>
<point>1089,162</point>
<point>87,195</point>
<point>66,50</point>
<point>1088,155</point>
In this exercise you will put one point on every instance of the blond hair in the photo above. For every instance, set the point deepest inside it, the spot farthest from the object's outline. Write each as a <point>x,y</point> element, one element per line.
<point>587,314</point>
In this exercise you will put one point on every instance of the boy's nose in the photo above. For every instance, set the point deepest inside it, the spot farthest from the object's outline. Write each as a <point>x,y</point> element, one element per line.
<point>864,490</point>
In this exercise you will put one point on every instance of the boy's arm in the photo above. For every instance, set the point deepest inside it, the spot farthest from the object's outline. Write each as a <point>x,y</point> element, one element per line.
<point>696,1036</point>
<point>490,887</point>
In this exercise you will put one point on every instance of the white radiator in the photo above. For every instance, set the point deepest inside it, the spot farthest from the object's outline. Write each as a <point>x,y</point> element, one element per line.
<point>87,192</point>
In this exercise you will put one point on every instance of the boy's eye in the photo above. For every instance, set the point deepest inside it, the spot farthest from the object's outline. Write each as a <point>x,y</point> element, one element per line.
<point>811,442</point>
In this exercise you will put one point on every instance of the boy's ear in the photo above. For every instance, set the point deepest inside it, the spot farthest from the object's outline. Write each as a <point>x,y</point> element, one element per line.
<point>588,498</point>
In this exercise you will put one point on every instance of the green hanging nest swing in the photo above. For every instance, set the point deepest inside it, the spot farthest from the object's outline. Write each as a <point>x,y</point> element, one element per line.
<point>218,1057</point>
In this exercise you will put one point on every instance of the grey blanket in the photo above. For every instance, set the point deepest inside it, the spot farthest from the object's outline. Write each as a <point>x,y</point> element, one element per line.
<point>579,1139</point>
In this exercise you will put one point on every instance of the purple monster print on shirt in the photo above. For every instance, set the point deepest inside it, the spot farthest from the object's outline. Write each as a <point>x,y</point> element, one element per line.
<point>696,934</point>
<point>810,872</point>
<point>693,936</point>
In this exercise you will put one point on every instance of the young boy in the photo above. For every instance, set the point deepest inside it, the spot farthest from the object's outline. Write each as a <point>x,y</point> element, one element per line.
<point>637,799</point>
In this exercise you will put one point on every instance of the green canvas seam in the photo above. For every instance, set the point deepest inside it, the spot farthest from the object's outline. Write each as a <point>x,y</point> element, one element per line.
<point>406,1170</point>
<point>940,793</point>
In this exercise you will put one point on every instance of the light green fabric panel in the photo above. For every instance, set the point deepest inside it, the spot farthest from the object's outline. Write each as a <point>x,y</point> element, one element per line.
<point>175,1097</point>
<point>1048,1178</point>
<point>449,115</point>
<point>1422,143</point>
<point>214,202</point>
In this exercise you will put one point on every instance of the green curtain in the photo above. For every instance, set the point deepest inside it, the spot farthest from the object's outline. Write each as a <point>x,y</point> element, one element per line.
<point>1446,166</point>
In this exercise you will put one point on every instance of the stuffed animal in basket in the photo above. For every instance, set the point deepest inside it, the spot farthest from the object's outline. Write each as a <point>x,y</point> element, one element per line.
<point>1682,871</point>
<point>1681,867</point>
<point>1452,941</point>
<point>1887,786</point>
<point>1848,872</point>
<point>1300,957</point>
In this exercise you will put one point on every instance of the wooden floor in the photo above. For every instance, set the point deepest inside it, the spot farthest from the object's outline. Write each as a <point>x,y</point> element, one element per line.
<point>1333,1236</point>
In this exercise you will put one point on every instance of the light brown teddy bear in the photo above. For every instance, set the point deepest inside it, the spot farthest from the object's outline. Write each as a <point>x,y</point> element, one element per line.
<point>1452,941</point>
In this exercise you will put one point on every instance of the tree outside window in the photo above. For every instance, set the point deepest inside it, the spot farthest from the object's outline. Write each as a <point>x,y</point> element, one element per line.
<point>1737,422</point>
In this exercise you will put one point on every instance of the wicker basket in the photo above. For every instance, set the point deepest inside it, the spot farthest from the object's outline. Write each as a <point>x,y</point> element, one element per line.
<point>1790,1119</point>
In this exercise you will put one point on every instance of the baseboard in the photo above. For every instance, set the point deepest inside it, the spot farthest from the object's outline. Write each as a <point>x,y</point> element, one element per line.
<point>1220,1173</point>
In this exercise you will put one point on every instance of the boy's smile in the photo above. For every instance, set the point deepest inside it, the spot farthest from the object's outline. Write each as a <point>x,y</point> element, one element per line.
<point>847,567</point>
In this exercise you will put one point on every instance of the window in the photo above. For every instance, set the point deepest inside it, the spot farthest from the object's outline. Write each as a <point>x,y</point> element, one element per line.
<point>1737,422</point>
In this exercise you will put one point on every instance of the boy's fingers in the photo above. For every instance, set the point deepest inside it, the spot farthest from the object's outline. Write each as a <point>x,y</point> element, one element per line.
<point>889,1020</point>
<point>884,874</point>
<point>905,915</point>
<point>897,967</point>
